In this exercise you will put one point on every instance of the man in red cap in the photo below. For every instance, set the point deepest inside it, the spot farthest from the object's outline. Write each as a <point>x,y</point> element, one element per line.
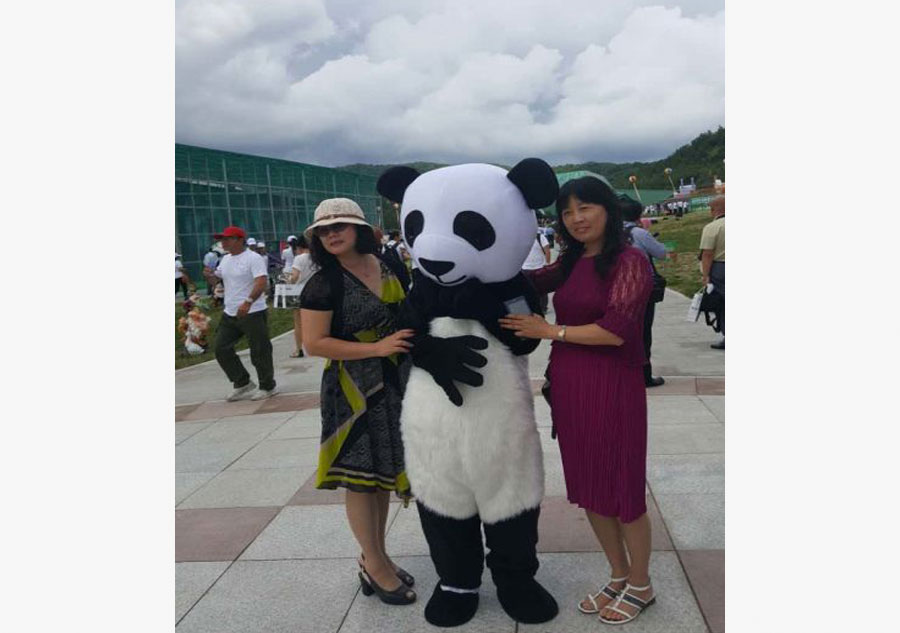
<point>244,275</point>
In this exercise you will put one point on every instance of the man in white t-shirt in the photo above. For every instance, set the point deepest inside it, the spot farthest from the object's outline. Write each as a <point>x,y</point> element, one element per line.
<point>244,274</point>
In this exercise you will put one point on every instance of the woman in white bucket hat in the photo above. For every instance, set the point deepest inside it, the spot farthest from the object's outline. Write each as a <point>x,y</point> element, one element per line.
<point>348,312</point>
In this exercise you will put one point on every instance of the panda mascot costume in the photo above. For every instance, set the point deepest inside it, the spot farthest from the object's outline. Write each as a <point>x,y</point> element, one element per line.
<point>473,452</point>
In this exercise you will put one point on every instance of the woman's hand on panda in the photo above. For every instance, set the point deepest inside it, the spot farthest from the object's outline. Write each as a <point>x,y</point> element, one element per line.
<point>396,343</point>
<point>528,326</point>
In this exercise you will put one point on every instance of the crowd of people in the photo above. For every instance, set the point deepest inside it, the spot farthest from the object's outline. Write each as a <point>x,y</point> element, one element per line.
<point>351,283</point>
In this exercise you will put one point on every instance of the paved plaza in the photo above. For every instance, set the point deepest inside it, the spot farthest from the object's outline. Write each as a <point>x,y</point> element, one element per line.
<point>259,549</point>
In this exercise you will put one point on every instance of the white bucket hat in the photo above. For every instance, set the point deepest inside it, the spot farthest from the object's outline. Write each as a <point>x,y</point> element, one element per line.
<point>334,211</point>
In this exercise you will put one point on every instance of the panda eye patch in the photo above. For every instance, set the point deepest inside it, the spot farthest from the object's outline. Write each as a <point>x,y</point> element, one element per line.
<point>475,229</point>
<point>413,225</point>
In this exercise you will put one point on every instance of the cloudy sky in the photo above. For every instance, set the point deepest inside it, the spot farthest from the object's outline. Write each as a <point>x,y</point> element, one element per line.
<point>333,82</point>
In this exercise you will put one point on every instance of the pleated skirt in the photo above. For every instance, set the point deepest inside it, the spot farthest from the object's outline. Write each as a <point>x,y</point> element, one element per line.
<point>599,408</point>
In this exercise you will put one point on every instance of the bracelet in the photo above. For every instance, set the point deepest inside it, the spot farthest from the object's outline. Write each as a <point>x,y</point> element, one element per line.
<point>249,300</point>
<point>561,335</point>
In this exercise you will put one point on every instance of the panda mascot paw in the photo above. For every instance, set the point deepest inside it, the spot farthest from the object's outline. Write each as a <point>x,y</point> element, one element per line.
<point>471,446</point>
<point>448,607</point>
<point>448,360</point>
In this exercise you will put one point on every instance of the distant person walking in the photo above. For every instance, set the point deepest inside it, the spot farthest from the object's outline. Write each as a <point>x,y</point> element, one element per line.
<point>210,263</point>
<point>712,261</point>
<point>287,255</point>
<point>244,276</point>
<point>538,257</point>
<point>396,254</point>
<point>640,238</point>
<point>181,277</point>
<point>302,268</point>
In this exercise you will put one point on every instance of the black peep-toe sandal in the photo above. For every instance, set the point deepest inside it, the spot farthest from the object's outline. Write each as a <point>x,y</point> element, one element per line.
<point>399,596</point>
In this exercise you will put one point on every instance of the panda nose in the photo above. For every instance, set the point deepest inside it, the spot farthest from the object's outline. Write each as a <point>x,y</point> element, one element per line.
<point>436,267</point>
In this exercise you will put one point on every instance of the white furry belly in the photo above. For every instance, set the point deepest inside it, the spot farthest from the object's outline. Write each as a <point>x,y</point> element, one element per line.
<point>484,457</point>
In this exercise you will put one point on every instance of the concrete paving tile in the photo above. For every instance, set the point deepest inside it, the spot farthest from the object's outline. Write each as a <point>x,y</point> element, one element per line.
<point>221,409</point>
<point>304,424</point>
<point>563,527</point>
<point>247,488</point>
<point>554,479</point>
<point>208,457</point>
<point>284,596</point>
<point>678,439</point>
<point>306,532</point>
<point>182,410</point>
<point>695,521</point>
<point>309,495</point>
<point>716,404</point>
<point>710,386</point>
<point>186,429</point>
<point>186,483</point>
<point>678,410</point>
<point>217,534</point>
<point>569,577</point>
<point>292,402</point>
<point>706,572</point>
<point>675,386</point>
<point>302,453</point>
<point>251,428</point>
<point>368,614</point>
<point>681,474</point>
<point>542,413</point>
<point>191,581</point>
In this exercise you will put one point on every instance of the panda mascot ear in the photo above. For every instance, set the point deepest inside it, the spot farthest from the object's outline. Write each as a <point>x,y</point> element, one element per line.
<point>537,182</point>
<point>392,184</point>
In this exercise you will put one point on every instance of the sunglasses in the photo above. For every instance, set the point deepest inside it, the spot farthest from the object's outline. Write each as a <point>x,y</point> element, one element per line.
<point>322,231</point>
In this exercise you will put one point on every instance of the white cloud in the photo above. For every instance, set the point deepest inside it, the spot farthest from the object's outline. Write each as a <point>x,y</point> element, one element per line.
<point>448,81</point>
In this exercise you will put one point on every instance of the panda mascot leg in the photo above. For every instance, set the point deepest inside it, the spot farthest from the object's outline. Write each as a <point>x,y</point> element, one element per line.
<point>458,557</point>
<point>513,562</point>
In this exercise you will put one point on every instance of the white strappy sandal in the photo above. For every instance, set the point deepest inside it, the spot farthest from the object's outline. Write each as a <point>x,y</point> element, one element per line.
<point>607,591</point>
<point>632,601</point>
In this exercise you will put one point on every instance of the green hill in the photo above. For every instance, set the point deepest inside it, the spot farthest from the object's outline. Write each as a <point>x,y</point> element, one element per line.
<point>703,159</point>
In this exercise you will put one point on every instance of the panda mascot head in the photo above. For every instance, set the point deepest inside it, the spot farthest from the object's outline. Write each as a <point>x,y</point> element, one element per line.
<point>472,221</point>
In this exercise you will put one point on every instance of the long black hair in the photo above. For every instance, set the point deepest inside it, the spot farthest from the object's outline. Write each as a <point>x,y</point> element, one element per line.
<point>366,244</point>
<point>593,191</point>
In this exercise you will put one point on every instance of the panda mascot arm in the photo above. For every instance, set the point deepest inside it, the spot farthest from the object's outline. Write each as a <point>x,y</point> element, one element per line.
<point>446,359</point>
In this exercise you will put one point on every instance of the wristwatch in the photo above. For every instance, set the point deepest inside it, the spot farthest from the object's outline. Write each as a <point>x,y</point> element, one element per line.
<point>248,300</point>
<point>561,335</point>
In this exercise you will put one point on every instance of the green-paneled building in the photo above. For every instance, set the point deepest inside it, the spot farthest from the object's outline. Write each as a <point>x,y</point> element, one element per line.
<point>267,197</point>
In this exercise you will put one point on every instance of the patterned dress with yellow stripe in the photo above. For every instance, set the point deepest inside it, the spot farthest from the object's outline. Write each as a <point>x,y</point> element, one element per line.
<point>361,448</point>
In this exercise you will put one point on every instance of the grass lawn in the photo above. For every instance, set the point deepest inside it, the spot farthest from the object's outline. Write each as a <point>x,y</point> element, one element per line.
<point>683,270</point>
<point>280,321</point>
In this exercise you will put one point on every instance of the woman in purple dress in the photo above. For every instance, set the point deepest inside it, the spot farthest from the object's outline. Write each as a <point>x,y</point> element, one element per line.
<point>597,392</point>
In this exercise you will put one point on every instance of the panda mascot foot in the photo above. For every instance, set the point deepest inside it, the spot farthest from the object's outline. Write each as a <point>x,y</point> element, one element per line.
<point>449,608</point>
<point>527,602</point>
